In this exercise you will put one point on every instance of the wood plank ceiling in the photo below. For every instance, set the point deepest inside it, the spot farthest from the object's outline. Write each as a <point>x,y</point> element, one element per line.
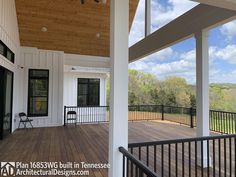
<point>72,27</point>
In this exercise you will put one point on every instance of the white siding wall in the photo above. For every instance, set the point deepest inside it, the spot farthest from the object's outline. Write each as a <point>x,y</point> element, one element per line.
<point>8,24</point>
<point>10,36</point>
<point>70,96</point>
<point>70,87</point>
<point>33,58</point>
<point>26,58</point>
<point>9,31</point>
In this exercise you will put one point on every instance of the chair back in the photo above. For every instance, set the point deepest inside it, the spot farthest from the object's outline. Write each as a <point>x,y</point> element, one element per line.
<point>71,113</point>
<point>22,114</point>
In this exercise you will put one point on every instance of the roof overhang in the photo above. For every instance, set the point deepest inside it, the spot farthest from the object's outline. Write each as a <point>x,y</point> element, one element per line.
<point>227,4</point>
<point>183,27</point>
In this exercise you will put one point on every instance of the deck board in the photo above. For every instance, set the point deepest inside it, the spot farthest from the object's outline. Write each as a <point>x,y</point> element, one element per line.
<point>88,142</point>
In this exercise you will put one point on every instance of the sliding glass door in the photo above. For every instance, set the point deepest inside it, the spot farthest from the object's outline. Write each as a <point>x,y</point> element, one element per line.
<point>6,90</point>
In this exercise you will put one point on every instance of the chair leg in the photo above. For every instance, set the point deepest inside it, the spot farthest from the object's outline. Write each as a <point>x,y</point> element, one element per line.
<point>19,125</point>
<point>31,124</point>
<point>25,125</point>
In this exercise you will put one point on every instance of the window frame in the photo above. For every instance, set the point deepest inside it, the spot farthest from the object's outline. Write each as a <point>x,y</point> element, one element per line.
<point>88,94</point>
<point>29,95</point>
<point>5,50</point>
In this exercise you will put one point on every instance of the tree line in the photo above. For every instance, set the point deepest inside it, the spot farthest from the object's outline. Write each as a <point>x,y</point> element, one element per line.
<point>145,88</point>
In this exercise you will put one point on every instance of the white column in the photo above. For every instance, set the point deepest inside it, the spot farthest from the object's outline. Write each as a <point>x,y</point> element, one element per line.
<point>202,73</point>
<point>118,130</point>
<point>147,17</point>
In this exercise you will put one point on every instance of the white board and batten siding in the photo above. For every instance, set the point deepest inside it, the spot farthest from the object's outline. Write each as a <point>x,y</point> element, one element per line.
<point>9,35</point>
<point>71,85</point>
<point>33,58</point>
<point>85,67</point>
<point>70,96</point>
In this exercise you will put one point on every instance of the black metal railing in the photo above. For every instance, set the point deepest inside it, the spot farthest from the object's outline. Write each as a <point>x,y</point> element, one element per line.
<point>204,156</point>
<point>133,167</point>
<point>86,114</point>
<point>223,122</point>
<point>220,121</point>
<point>145,112</point>
<point>182,115</point>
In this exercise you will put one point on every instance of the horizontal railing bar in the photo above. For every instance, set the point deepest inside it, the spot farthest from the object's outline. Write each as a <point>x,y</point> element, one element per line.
<point>147,106</point>
<point>220,121</point>
<point>185,140</point>
<point>140,164</point>
<point>151,105</point>
<point>86,107</point>
<point>223,112</point>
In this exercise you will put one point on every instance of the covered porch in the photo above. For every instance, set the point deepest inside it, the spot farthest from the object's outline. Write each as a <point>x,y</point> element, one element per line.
<point>54,38</point>
<point>89,143</point>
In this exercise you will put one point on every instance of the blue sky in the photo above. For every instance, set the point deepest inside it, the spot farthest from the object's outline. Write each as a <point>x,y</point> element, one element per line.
<point>179,60</point>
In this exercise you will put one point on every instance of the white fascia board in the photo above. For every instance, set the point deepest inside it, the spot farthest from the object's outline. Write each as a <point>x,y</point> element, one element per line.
<point>26,49</point>
<point>79,69</point>
<point>87,61</point>
<point>227,4</point>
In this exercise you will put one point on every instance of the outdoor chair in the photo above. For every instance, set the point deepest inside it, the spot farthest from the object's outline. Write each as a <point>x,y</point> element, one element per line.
<point>24,120</point>
<point>72,117</point>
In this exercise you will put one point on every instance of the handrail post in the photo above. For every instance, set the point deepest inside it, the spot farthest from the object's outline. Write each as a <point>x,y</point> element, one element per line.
<point>64,115</point>
<point>162,112</point>
<point>191,117</point>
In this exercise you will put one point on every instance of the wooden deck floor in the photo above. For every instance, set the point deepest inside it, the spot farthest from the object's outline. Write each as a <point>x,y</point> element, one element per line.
<point>88,143</point>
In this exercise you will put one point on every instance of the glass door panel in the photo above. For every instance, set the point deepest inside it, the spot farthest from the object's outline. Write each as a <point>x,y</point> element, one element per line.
<point>8,103</point>
<point>6,89</point>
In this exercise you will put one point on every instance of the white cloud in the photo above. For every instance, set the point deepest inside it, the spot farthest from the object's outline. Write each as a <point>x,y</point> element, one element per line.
<point>229,29</point>
<point>223,77</point>
<point>228,53</point>
<point>147,63</point>
<point>162,55</point>
<point>185,66</point>
<point>137,29</point>
<point>161,15</point>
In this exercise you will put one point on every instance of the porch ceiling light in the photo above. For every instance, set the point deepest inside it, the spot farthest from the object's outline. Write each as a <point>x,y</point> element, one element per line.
<point>44,29</point>
<point>98,35</point>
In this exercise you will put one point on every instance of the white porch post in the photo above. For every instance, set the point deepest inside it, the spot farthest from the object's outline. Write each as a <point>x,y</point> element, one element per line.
<point>202,73</point>
<point>118,130</point>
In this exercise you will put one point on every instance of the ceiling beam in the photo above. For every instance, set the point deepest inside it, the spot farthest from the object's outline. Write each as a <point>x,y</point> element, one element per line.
<point>227,4</point>
<point>183,27</point>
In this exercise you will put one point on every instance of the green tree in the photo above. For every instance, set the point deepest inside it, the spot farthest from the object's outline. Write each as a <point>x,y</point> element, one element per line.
<point>175,91</point>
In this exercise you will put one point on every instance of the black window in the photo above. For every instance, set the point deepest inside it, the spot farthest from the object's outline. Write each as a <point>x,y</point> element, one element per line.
<point>38,92</point>
<point>6,52</point>
<point>88,92</point>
